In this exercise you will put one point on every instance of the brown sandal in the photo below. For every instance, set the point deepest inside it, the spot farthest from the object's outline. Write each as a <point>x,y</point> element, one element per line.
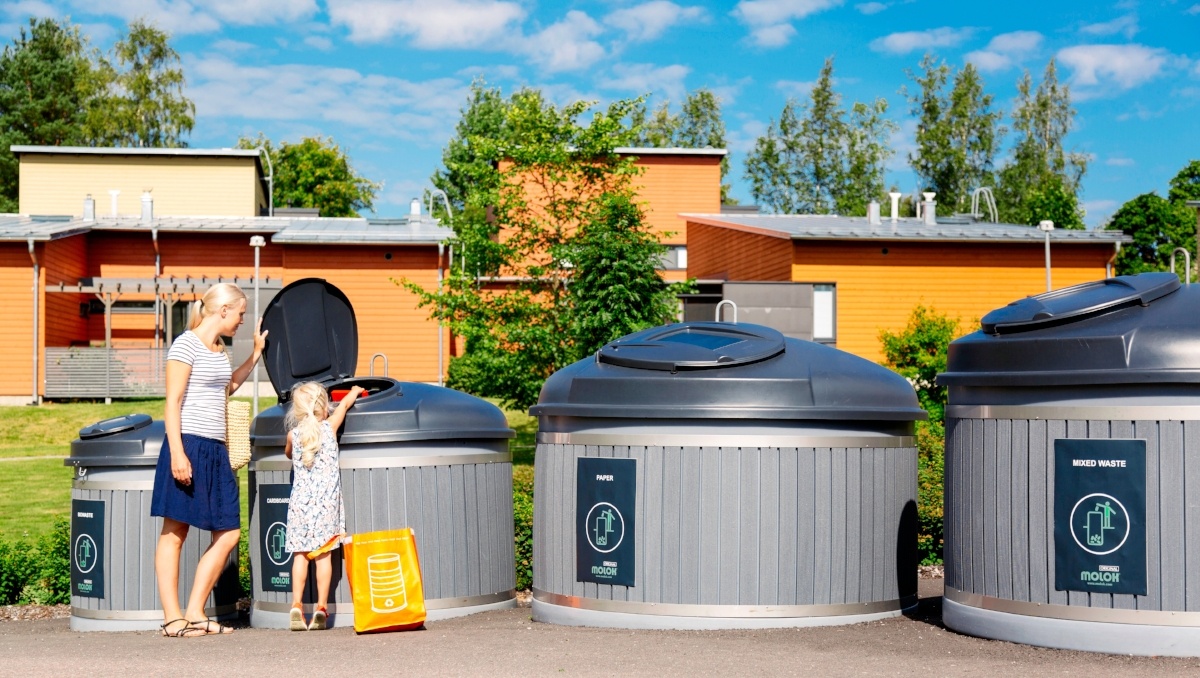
<point>185,631</point>
<point>207,625</point>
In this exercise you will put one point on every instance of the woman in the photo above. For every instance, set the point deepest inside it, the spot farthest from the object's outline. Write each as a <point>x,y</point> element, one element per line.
<point>193,483</point>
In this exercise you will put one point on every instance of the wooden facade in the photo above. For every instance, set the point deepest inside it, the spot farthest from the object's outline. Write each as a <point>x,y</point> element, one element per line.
<point>879,282</point>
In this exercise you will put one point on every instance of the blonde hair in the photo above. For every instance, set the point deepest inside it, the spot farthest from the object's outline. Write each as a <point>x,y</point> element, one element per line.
<point>217,297</point>
<point>310,406</point>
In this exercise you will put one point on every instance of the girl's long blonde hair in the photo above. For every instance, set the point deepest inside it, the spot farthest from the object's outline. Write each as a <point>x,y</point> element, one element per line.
<point>310,406</point>
<point>217,297</point>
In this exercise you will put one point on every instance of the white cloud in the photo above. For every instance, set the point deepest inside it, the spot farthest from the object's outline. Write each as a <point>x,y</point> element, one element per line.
<point>567,45</point>
<point>650,20</point>
<point>911,41</point>
<point>430,24</point>
<point>770,20</point>
<point>869,8</point>
<point>903,141</point>
<point>202,16</point>
<point>1125,25</point>
<point>795,89</point>
<point>231,47</point>
<point>1096,212</point>
<point>1141,112</point>
<point>1005,50</point>
<point>30,8</point>
<point>319,42</point>
<point>1193,10</point>
<point>1103,69</point>
<point>667,81</point>
<point>302,94</point>
<point>1118,161</point>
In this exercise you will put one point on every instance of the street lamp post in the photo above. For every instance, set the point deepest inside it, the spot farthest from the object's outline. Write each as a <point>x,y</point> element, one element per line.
<point>1047,226</point>
<point>257,242</point>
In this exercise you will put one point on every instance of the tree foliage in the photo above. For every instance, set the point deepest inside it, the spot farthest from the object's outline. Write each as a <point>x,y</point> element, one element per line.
<point>48,81</point>
<point>918,353</point>
<point>958,134</point>
<point>315,172</point>
<point>1157,226</point>
<point>564,243</point>
<point>1185,185</point>
<point>1041,171</point>
<point>825,160</point>
<point>143,104</point>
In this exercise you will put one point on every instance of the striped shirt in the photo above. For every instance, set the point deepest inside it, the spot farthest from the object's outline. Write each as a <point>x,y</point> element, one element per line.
<point>204,400</point>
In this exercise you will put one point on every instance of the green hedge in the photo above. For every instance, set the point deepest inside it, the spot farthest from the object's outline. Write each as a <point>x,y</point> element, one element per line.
<point>523,525</point>
<point>931,437</point>
<point>37,573</point>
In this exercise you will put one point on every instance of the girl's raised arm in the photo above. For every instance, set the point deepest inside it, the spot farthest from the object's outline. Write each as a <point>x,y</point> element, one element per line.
<point>339,414</point>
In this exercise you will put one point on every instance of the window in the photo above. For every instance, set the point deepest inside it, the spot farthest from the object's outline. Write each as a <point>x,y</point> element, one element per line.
<point>824,313</point>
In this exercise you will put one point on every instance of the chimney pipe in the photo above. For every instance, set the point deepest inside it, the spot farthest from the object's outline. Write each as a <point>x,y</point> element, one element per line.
<point>930,210</point>
<point>895,205</point>
<point>414,208</point>
<point>147,208</point>
<point>89,208</point>
<point>113,194</point>
<point>873,213</point>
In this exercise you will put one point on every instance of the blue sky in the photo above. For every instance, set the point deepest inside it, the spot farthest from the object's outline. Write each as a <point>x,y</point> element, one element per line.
<point>387,78</point>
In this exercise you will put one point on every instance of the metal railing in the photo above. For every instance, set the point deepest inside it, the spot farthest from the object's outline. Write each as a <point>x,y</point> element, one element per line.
<point>105,372</point>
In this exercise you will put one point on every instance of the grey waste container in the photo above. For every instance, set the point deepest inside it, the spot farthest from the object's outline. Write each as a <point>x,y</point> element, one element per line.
<point>113,537</point>
<point>412,455</point>
<point>1072,475</point>
<point>714,475</point>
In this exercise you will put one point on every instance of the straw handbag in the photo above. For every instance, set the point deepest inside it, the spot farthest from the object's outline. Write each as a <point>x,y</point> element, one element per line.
<point>237,433</point>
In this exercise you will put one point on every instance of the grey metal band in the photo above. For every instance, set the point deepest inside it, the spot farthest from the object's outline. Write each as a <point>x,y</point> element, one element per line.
<point>752,611</point>
<point>1072,612</point>
<point>128,485</point>
<point>1077,413</point>
<point>722,440</point>
<point>138,615</point>
<point>433,604</point>
<point>395,462</point>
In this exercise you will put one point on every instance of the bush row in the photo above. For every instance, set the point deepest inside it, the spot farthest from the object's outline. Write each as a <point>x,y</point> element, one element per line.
<point>37,572</point>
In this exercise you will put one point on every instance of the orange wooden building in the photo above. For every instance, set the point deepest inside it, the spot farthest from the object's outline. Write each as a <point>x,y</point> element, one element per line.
<point>841,280</point>
<point>111,244</point>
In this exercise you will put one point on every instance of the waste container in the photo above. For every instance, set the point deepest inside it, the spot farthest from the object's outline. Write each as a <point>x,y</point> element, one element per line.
<point>1072,476</point>
<point>113,537</point>
<point>412,455</point>
<point>717,475</point>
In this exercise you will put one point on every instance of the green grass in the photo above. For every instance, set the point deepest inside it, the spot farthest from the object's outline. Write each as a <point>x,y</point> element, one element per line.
<point>34,491</point>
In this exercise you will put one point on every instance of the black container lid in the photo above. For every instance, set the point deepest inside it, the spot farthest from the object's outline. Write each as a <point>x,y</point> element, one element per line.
<point>312,336</point>
<point>726,371</point>
<point>131,440</point>
<point>1135,329</point>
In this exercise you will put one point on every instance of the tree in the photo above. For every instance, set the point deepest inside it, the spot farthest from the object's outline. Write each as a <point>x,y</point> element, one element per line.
<point>821,162</point>
<point>1185,185</point>
<point>48,80</point>
<point>315,173</point>
<point>1042,119</point>
<point>144,105</point>
<point>918,353</point>
<point>1157,226</point>
<point>566,238</point>
<point>957,134</point>
<point>483,117</point>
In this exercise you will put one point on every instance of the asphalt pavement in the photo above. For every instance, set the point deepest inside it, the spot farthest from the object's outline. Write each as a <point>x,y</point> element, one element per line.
<point>508,643</point>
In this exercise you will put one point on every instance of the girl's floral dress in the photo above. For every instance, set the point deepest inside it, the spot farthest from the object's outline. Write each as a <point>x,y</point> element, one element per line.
<point>315,513</point>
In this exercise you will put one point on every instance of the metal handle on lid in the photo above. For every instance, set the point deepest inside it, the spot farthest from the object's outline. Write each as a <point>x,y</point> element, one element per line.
<point>722,303</point>
<point>1187,264</point>
<point>385,364</point>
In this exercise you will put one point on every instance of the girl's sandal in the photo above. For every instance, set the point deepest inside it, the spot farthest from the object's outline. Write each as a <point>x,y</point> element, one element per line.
<point>318,620</point>
<point>210,627</point>
<point>296,619</point>
<point>185,631</point>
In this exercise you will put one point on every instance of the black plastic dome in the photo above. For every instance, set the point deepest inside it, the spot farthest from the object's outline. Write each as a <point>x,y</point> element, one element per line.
<point>1126,330</point>
<point>726,370</point>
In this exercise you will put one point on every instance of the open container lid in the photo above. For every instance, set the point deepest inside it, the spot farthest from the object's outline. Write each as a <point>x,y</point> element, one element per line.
<point>699,370</point>
<point>312,336</point>
<point>1138,329</point>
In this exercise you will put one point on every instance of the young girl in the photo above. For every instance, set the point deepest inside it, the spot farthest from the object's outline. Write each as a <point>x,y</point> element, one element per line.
<point>316,518</point>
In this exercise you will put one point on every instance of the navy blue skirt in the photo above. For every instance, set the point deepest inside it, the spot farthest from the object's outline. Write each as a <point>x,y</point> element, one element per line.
<point>210,502</point>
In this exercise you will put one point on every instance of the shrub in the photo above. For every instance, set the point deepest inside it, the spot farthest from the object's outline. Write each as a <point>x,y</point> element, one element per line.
<point>17,569</point>
<point>52,585</point>
<point>523,525</point>
<point>245,577</point>
<point>931,450</point>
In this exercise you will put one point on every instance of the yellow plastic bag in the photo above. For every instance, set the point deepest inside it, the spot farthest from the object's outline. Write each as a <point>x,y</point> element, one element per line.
<point>385,580</point>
